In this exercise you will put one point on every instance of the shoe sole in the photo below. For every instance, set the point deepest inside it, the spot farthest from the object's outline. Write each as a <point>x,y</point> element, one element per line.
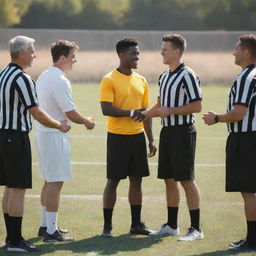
<point>56,240</point>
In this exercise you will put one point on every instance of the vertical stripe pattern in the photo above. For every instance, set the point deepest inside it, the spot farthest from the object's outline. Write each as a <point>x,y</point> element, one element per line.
<point>243,92</point>
<point>17,95</point>
<point>177,89</point>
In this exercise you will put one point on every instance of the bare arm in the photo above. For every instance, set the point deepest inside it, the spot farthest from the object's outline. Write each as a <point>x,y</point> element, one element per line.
<point>46,120</point>
<point>232,116</point>
<point>109,110</point>
<point>148,130</point>
<point>192,107</point>
<point>151,112</point>
<point>77,118</point>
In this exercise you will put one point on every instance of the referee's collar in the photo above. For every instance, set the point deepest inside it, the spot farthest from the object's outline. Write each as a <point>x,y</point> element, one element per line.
<point>16,65</point>
<point>182,65</point>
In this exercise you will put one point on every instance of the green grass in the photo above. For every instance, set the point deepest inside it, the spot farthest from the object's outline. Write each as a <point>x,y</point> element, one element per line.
<point>222,217</point>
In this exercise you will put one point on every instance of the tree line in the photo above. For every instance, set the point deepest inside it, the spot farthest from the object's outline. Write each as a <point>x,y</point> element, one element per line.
<point>130,14</point>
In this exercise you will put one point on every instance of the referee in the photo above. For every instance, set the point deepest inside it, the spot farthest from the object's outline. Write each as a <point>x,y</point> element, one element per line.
<point>179,97</point>
<point>17,101</point>
<point>241,142</point>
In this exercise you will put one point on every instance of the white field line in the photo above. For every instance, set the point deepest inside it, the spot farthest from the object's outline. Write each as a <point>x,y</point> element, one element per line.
<point>122,198</point>
<point>152,164</point>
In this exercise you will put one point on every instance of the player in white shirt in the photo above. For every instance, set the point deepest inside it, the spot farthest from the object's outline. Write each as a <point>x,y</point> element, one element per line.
<point>55,97</point>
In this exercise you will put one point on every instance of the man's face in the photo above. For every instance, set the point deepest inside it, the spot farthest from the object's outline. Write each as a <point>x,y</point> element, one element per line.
<point>169,52</point>
<point>69,61</point>
<point>239,54</point>
<point>130,57</point>
<point>28,56</point>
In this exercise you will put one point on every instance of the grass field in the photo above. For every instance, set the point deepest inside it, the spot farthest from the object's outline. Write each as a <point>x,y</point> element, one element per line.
<point>81,204</point>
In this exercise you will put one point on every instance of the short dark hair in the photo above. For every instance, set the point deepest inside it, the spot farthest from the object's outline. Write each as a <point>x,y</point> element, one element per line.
<point>123,44</point>
<point>62,47</point>
<point>248,42</point>
<point>177,40</point>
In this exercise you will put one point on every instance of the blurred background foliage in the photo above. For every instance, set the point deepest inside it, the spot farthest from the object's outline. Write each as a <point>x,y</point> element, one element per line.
<point>130,14</point>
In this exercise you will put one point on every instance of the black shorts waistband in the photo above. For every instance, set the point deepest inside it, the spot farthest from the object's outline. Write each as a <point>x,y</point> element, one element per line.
<point>5,131</point>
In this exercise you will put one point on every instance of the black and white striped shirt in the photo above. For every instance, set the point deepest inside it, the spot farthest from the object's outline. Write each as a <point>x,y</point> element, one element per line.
<point>243,92</point>
<point>17,95</point>
<point>176,89</point>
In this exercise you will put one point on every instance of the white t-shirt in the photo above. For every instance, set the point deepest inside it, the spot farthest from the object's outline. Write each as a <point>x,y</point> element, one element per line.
<point>54,96</point>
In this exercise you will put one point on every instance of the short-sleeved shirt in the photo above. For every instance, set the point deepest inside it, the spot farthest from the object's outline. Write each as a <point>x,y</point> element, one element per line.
<point>176,89</point>
<point>126,92</point>
<point>54,95</point>
<point>17,95</point>
<point>243,92</point>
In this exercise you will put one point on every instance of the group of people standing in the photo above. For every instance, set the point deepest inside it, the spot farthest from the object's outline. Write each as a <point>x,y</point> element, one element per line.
<point>124,98</point>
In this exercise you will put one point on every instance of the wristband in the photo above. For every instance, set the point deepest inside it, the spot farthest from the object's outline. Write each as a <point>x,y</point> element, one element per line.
<point>216,119</point>
<point>131,113</point>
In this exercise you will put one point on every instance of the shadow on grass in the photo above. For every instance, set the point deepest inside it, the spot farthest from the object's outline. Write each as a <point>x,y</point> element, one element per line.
<point>224,253</point>
<point>97,244</point>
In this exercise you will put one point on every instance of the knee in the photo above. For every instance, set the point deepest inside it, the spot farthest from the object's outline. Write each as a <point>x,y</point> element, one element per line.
<point>112,185</point>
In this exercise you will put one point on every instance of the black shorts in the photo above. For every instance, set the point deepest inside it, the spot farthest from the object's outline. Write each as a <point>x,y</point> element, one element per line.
<point>177,152</point>
<point>126,156</point>
<point>15,159</point>
<point>241,162</point>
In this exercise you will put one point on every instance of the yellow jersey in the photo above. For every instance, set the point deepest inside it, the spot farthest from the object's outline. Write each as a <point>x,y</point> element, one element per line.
<point>126,92</point>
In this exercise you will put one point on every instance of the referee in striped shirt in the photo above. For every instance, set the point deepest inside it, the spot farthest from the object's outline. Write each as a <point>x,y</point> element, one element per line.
<point>241,142</point>
<point>179,97</point>
<point>17,102</point>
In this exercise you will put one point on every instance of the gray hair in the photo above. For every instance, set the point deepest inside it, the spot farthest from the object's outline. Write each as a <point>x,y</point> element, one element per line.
<point>18,44</point>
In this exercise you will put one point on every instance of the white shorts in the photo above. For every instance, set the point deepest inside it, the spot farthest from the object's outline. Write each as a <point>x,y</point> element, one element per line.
<point>53,156</point>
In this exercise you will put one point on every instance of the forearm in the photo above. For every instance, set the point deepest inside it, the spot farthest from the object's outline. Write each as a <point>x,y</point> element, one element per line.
<point>190,108</point>
<point>151,112</point>
<point>230,117</point>
<point>109,110</point>
<point>148,129</point>
<point>76,117</point>
<point>43,118</point>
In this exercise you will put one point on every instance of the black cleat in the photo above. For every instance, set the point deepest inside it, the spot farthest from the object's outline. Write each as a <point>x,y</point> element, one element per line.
<point>42,231</point>
<point>107,231</point>
<point>243,246</point>
<point>140,229</point>
<point>23,246</point>
<point>57,236</point>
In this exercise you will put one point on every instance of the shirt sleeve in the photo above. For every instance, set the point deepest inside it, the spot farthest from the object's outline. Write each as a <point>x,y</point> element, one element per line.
<point>25,87</point>
<point>245,86</point>
<point>106,90</point>
<point>192,87</point>
<point>146,100</point>
<point>62,93</point>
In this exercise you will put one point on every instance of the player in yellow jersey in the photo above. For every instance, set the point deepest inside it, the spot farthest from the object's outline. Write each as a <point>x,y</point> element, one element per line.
<point>123,95</point>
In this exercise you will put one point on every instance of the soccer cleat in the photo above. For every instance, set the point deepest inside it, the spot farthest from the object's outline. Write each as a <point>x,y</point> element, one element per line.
<point>23,246</point>
<point>237,243</point>
<point>192,234</point>
<point>140,229</point>
<point>166,230</point>
<point>107,231</point>
<point>42,231</point>
<point>243,246</point>
<point>57,236</point>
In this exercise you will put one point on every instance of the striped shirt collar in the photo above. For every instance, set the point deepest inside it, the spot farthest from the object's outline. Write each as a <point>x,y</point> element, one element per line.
<point>15,65</point>
<point>182,65</point>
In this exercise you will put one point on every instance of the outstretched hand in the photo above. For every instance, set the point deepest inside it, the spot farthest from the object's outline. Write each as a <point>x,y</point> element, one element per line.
<point>90,124</point>
<point>138,116</point>
<point>64,126</point>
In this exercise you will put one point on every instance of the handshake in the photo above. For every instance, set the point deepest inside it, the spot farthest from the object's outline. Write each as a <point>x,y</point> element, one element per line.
<point>138,115</point>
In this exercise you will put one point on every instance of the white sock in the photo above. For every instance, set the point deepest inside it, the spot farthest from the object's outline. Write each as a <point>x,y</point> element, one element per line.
<point>52,218</point>
<point>43,216</point>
